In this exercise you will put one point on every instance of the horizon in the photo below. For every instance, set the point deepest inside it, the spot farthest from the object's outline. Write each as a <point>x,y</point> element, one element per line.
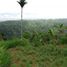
<point>34,19</point>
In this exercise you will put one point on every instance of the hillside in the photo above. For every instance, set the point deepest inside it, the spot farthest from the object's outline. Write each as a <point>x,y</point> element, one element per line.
<point>43,44</point>
<point>12,28</point>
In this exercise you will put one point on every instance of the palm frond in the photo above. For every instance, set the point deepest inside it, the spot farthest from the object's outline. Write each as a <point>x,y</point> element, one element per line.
<point>22,3</point>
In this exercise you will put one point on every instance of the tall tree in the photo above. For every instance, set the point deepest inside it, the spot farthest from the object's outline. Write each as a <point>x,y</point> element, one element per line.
<point>22,3</point>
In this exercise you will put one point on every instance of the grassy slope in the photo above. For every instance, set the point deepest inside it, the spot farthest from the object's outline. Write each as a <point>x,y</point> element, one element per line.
<point>43,56</point>
<point>24,53</point>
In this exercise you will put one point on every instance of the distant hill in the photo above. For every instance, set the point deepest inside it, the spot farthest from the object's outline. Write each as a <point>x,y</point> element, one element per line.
<point>12,28</point>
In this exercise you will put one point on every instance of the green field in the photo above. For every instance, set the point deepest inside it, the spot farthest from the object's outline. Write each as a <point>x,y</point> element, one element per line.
<point>44,43</point>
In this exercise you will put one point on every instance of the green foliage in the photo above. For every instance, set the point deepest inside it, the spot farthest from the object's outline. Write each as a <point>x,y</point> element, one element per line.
<point>14,42</point>
<point>27,35</point>
<point>11,43</point>
<point>39,46</point>
<point>51,32</point>
<point>13,28</point>
<point>4,58</point>
<point>63,39</point>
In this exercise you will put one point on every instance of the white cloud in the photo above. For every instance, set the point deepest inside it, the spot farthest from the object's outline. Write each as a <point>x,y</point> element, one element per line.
<point>35,8</point>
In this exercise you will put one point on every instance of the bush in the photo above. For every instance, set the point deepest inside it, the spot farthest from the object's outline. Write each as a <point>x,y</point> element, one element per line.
<point>14,42</point>
<point>63,40</point>
<point>27,35</point>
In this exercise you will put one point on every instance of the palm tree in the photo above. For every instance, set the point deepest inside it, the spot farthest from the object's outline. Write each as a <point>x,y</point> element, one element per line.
<point>22,3</point>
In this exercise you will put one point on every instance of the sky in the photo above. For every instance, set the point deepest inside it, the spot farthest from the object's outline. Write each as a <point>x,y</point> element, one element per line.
<point>34,9</point>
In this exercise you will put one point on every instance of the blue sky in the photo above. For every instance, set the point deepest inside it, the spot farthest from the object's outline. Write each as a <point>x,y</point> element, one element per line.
<point>34,9</point>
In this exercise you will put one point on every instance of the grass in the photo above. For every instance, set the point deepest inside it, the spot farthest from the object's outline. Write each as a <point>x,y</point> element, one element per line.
<point>36,49</point>
<point>25,54</point>
<point>42,56</point>
<point>4,58</point>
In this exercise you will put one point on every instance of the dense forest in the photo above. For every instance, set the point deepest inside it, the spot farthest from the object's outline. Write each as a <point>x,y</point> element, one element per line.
<point>13,28</point>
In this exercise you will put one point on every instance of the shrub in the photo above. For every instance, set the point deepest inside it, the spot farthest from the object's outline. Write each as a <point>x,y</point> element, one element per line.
<point>27,35</point>
<point>63,39</point>
<point>14,42</point>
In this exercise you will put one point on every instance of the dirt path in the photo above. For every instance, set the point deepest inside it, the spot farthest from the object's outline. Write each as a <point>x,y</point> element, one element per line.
<point>15,58</point>
<point>20,59</point>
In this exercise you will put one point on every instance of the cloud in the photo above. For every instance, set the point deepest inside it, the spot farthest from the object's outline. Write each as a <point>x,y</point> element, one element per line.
<point>9,16</point>
<point>34,9</point>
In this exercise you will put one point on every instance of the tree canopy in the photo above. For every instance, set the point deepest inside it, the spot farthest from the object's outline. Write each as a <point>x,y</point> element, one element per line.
<point>22,3</point>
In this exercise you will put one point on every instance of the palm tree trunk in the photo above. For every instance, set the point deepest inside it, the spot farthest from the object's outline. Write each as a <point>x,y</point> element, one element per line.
<point>21,22</point>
